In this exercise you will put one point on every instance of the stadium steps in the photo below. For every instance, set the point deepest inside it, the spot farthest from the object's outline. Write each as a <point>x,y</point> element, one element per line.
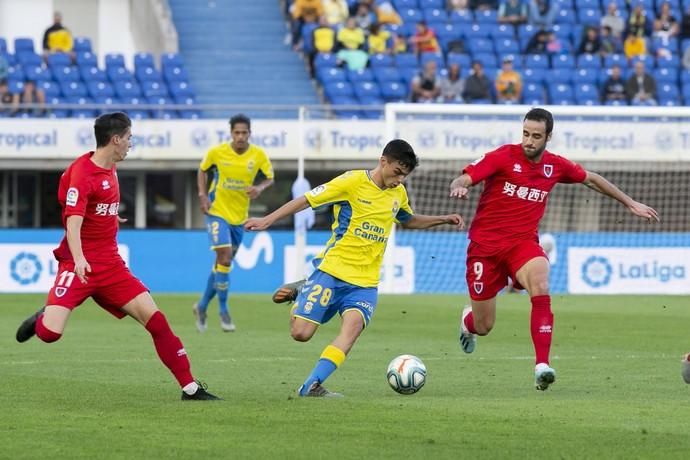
<point>235,53</point>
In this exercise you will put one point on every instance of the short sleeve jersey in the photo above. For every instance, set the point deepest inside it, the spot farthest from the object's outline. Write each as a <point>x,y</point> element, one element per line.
<point>232,174</point>
<point>92,192</point>
<point>515,193</point>
<point>363,217</point>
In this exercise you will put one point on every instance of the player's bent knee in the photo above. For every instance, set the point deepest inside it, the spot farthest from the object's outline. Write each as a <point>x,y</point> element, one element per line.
<point>301,335</point>
<point>483,327</point>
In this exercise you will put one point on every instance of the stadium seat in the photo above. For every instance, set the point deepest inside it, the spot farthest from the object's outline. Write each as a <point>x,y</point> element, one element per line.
<point>366,89</point>
<point>100,89</point>
<point>401,4</point>
<point>616,59</point>
<point>143,60</point>
<point>563,61</point>
<point>463,60</point>
<point>532,90</point>
<point>181,89</point>
<point>500,31</point>
<point>114,60</point>
<point>54,101</point>
<point>424,4</point>
<point>667,92</point>
<point>171,60</point>
<point>536,61</point>
<point>394,91</point>
<point>506,46</point>
<point>559,76</point>
<point>590,61</point>
<point>15,86</point>
<point>436,57</point>
<point>73,89</point>
<point>175,73</point>
<point>324,60</point>
<point>380,60</point>
<point>481,46</point>
<point>116,74</point>
<point>406,60</point>
<point>38,73</point>
<point>86,58</point>
<point>530,75</point>
<point>15,72</point>
<point>477,31</point>
<point>340,88</point>
<point>307,34</point>
<point>331,75</point>
<point>462,18</point>
<point>666,75</point>
<point>66,74</point>
<point>488,60</point>
<point>566,16</point>
<point>668,62</point>
<point>49,88</point>
<point>82,44</point>
<point>92,73</point>
<point>28,58</point>
<point>387,74</point>
<point>23,45</point>
<point>411,15</point>
<point>585,76</point>
<point>354,76</point>
<point>589,16</point>
<point>3,46</point>
<point>434,16</point>
<point>147,74</point>
<point>127,89</point>
<point>486,16</point>
<point>58,60</point>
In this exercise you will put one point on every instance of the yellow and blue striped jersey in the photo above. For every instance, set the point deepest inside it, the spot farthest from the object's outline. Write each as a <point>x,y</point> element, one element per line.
<point>232,174</point>
<point>364,215</point>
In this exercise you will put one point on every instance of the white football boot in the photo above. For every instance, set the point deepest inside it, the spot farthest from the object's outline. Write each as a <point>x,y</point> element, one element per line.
<point>200,316</point>
<point>468,341</point>
<point>543,376</point>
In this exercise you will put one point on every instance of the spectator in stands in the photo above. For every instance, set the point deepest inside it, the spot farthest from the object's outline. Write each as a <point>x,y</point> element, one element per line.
<point>364,16</point>
<point>5,96</point>
<point>686,59</point>
<point>685,24</point>
<point>304,11</point>
<point>452,85</point>
<point>665,25</point>
<point>610,44</point>
<point>462,6</point>
<point>399,44</point>
<point>590,43</point>
<point>537,44</point>
<point>508,83</point>
<point>553,44</point>
<point>637,21</point>
<point>641,87</point>
<point>614,87</point>
<point>634,46</point>
<point>477,85</point>
<point>57,38</point>
<point>4,67</point>
<point>324,41</point>
<point>481,5</point>
<point>512,12</point>
<point>336,11</point>
<point>386,13</point>
<point>613,20</point>
<point>379,40</point>
<point>351,37</point>
<point>426,85</point>
<point>542,13</point>
<point>424,40</point>
<point>31,94</point>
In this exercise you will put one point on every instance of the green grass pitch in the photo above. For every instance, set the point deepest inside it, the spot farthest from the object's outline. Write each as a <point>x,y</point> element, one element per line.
<point>100,392</point>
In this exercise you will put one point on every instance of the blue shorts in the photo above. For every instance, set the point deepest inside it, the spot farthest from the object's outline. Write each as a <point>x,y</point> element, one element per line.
<point>221,234</point>
<point>324,295</point>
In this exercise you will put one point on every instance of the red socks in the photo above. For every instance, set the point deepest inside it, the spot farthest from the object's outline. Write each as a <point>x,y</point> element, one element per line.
<point>469,323</point>
<point>169,348</point>
<point>541,326</point>
<point>44,333</point>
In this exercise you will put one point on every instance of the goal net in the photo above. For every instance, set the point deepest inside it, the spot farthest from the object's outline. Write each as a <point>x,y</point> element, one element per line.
<point>594,243</point>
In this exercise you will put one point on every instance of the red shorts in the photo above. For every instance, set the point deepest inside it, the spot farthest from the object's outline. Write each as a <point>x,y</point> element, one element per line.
<point>111,285</point>
<point>488,270</point>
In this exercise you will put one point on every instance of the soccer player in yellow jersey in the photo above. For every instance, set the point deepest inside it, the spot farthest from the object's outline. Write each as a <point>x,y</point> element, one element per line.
<point>225,202</point>
<point>366,206</point>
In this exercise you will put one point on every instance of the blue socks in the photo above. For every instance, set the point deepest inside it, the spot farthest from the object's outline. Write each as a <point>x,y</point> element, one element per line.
<point>209,293</point>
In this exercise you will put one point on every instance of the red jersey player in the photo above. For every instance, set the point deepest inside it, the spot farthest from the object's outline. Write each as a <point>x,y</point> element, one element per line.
<point>89,264</point>
<point>503,235</point>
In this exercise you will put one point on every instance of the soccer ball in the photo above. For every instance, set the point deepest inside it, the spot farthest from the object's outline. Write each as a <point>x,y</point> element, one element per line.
<point>406,374</point>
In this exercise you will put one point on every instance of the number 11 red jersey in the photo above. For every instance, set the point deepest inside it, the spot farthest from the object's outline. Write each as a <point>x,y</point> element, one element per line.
<point>515,193</point>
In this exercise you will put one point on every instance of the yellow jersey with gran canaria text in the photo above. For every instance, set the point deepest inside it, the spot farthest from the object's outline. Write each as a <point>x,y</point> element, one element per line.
<point>232,174</point>
<point>364,215</point>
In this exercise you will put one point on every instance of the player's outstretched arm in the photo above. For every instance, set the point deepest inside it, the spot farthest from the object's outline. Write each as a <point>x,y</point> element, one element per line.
<point>420,221</point>
<point>255,190</point>
<point>289,208</point>
<point>460,186</point>
<point>603,186</point>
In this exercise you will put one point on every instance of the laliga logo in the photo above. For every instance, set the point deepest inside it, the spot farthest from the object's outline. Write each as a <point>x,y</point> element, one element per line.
<point>313,138</point>
<point>85,137</point>
<point>427,139</point>
<point>25,268</point>
<point>597,271</point>
<point>664,140</point>
<point>199,138</point>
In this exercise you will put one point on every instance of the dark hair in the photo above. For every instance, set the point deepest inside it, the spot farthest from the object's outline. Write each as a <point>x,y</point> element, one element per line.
<point>541,115</point>
<point>402,152</point>
<point>109,125</point>
<point>240,118</point>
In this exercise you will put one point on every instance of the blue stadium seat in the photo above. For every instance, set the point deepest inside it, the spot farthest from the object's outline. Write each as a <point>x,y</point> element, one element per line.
<point>616,103</point>
<point>616,59</point>
<point>563,61</point>
<point>447,33</point>
<point>526,31</point>
<point>480,45</point>
<point>532,90</point>
<point>328,75</point>
<point>15,72</point>
<point>23,45</point>
<point>175,74</point>
<point>585,76</point>
<point>387,74</point>
<point>408,73</point>
<point>181,90</point>
<point>394,91</point>
<point>501,31</point>
<point>667,91</point>
<point>49,88</point>
<point>148,74</point>
<point>537,61</point>
<point>400,4</point>
<point>59,60</point>
<point>563,31</point>
<point>138,114</point>
<point>530,75</point>
<point>28,58</point>
<point>477,31</point>
<point>380,60</point>
<point>668,62</point>
<point>406,60</point>
<point>559,76</point>
<point>588,4</point>
<point>463,60</point>
<point>152,88</point>
<point>589,61</point>
<point>3,46</point>
<point>72,89</point>
<point>534,100</point>
<point>92,73</point>
<point>15,86</point>
<point>355,76</point>
<point>506,46</point>
<point>411,15</point>
<point>566,16</point>
<point>434,16</point>
<point>114,60</point>
<point>341,88</point>
<point>143,60</point>
<point>38,73</point>
<point>66,74</point>
<point>488,60</point>
<point>100,89</point>
<point>53,101</point>
<point>462,18</point>
<point>648,62</point>
<point>365,89</point>
<point>127,89</point>
<point>324,60</point>
<point>486,16</point>
<point>116,74</point>
<point>82,44</point>
<point>436,57</point>
<point>424,4</point>
<point>85,58</point>
<point>307,34</point>
<point>666,75</point>
<point>171,60</point>
<point>589,16</point>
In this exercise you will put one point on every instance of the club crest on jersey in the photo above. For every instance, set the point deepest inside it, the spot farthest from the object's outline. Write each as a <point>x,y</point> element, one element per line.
<point>105,184</point>
<point>396,207</point>
<point>517,168</point>
<point>548,170</point>
<point>317,190</point>
<point>72,196</point>
<point>478,286</point>
<point>60,291</point>
<point>250,165</point>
